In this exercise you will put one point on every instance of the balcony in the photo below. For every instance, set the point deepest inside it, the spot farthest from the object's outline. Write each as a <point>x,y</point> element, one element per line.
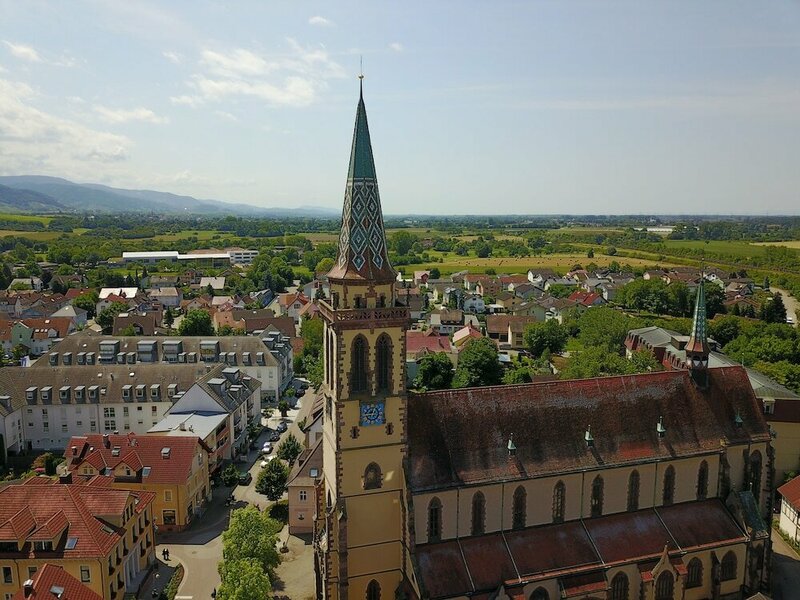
<point>364,315</point>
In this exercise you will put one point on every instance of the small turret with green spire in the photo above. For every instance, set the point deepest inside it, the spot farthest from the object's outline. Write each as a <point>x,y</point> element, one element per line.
<point>697,348</point>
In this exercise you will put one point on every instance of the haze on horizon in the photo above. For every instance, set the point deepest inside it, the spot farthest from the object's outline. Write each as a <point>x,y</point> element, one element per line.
<point>474,107</point>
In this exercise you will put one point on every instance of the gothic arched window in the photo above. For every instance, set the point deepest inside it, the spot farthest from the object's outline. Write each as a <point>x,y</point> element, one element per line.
<point>328,360</point>
<point>669,486</point>
<point>728,567</point>
<point>383,363</point>
<point>373,479</point>
<point>633,491</point>
<point>702,481</point>
<point>664,586</point>
<point>694,573</point>
<point>755,474</point>
<point>559,497</point>
<point>434,520</point>
<point>540,594</point>
<point>520,508</point>
<point>619,587</point>
<point>597,497</point>
<point>478,513</point>
<point>373,590</point>
<point>358,369</point>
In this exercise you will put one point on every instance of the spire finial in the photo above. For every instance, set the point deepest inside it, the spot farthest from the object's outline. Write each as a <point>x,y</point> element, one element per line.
<point>361,74</point>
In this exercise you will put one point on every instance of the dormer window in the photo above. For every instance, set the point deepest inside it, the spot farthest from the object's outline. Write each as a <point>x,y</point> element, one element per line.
<point>46,546</point>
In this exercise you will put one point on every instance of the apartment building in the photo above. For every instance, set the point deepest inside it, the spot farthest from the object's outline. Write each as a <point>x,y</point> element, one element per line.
<point>42,408</point>
<point>102,537</point>
<point>267,357</point>
<point>175,470</point>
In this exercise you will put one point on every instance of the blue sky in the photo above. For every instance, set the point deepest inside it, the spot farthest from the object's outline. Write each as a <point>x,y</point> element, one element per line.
<point>474,107</point>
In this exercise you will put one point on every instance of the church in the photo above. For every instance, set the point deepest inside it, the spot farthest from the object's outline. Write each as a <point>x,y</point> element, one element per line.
<point>640,487</point>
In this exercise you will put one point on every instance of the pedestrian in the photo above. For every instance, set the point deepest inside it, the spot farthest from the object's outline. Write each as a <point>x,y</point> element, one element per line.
<point>167,551</point>
<point>164,553</point>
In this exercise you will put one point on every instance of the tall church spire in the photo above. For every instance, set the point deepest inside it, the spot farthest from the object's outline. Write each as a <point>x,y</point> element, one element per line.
<point>697,348</point>
<point>362,253</point>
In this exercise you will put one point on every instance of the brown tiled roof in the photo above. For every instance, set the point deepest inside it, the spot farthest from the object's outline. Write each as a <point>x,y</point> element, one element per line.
<point>790,492</point>
<point>301,472</point>
<point>577,552</point>
<point>44,500</point>
<point>137,451</point>
<point>452,443</point>
<point>50,579</point>
<point>430,340</point>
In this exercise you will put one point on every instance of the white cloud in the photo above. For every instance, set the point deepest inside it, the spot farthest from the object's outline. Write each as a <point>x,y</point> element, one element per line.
<point>122,115</point>
<point>396,46</point>
<point>173,57</point>
<point>23,52</point>
<point>320,21</point>
<point>293,78</point>
<point>226,115</point>
<point>35,141</point>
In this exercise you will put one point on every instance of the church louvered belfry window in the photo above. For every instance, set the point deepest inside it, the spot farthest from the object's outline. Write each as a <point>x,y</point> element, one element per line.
<point>520,508</point>
<point>633,491</point>
<point>664,586</point>
<point>358,371</point>
<point>434,520</point>
<point>478,513</point>
<point>755,474</point>
<point>619,587</point>
<point>559,493</point>
<point>694,573</point>
<point>669,486</point>
<point>597,497</point>
<point>383,360</point>
<point>373,590</point>
<point>702,481</point>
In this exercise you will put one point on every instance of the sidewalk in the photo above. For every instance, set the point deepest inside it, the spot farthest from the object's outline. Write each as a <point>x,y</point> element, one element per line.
<point>785,569</point>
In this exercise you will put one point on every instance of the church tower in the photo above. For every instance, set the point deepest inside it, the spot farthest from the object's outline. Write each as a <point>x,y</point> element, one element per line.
<point>697,349</point>
<point>359,531</point>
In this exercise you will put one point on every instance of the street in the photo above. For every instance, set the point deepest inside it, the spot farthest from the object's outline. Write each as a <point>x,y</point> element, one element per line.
<point>785,570</point>
<point>199,547</point>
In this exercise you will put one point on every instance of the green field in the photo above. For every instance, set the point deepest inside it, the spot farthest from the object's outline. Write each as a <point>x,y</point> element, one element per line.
<point>739,249</point>
<point>32,235</point>
<point>201,234</point>
<point>795,244</point>
<point>25,218</point>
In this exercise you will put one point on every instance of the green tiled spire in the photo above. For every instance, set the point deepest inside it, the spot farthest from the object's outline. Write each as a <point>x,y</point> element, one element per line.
<point>698,340</point>
<point>361,164</point>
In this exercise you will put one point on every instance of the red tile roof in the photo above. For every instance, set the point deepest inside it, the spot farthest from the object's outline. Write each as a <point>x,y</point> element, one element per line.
<point>451,443</point>
<point>82,508</point>
<point>577,552</point>
<point>52,579</point>
<point>430,341</point>
<point>137,452</point>
<point>790,492</point>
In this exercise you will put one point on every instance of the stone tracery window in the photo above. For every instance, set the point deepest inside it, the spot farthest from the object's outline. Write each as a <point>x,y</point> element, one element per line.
<point>373,479</point>
<point>619,587</point>
<point>702,481</point>
<point>633,491</point>
<point>478,513</point>
<point>597,497</point>
<point>694,573</point>
<point>665,585</point>
<point>383,363</point>
<point>358,370</point>
<point>669,486</point>
<point>728,567</point>
<point>434,520</point>
<point>559,497</point>
<point>373,590</point>
<point>520,508</point>
<point>540,594</point>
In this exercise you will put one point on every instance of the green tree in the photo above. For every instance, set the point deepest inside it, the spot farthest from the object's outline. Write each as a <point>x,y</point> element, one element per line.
<point>272,479</point>
<point>106,317</point>
<point>590,253</point>
<point>774,310</point>
<point>283,407</point>
<point>435,273</point>
<point>482,250</point>
<point>18,352</point>
<point>597,362</point>
<point>243,580</point>
<point>169,318</point>
<point>289,449</point>
<point>611,251</point>
<point>559,290</point>
<point>251,534</point>
<point>435,372</point>
<point>549,335</point>
<point>311,332</point>
<point>724,329</point>
<point>605,328</point>
<point>478,364</point>
<point>196,322</point>
<point>88,302</point>
<point>230,476</point>
<point>313,370</point>
<point>323,266</point>
<point>401,242</point>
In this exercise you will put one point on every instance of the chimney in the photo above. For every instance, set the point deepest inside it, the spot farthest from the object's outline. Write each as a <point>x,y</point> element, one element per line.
<point>512,447</point>
<point>660,429</point>
<point>182,426</point>
<point>27,588</point>
<point>165,453</point>
<point>588,437</point>
<point>106,441</point>
<point>67,478</point>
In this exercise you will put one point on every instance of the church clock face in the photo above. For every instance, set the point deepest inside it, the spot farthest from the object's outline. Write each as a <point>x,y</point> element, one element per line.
<point>373,413</point>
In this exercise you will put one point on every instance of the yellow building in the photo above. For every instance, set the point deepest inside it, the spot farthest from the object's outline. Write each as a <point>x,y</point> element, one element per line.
<point>102,537</point>
<point>174,468</point>
<point>653,486</point>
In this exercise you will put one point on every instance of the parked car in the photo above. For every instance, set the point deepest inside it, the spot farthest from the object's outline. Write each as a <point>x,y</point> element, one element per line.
<point>266,448</point>
<point>282,426</point>
<point>266,461</point>
<point>245,478</point>
<point>275,436</point>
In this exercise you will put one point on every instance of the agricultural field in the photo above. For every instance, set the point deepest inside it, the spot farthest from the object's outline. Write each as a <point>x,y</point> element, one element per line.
<point>789,244</point>
<point>25,218</point>
<point>201,234</point>
<point>733,248</point>
<point>38,236</point>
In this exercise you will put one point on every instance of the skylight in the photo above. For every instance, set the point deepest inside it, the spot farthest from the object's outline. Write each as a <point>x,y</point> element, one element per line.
<point>71,543</point>
<point>146,471</point>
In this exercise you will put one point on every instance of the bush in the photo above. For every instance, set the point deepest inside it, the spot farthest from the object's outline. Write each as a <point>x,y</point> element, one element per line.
<point>279,511</point>
<point>230,476</point>
<point>174,583</point>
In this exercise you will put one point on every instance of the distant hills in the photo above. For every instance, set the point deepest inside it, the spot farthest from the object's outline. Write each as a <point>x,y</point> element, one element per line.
<point>40,194</point>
